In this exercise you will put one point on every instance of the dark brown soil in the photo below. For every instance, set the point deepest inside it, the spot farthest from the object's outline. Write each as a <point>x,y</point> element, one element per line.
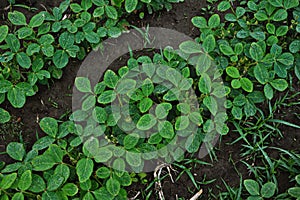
<point>55,101</point>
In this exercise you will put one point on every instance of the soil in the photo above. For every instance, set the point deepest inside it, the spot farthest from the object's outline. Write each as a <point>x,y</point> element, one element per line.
<point>55,101</point>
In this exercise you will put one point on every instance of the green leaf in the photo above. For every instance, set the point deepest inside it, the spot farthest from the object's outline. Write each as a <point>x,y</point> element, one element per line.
<point>268,91</point>
<point>205,84</point>
<point>286,59</point>
<point>37,20</point>
<point>231,17</point>
<point>196,118</point>
<point>49,126</point>
<point>131,141</point>
<point>193,142</point>
<point>173,76</point>
<point>3,32</point>
<point>147,87</point>
<point>214,21</point>
<point>294,192</point>
<point>24,32</point>
<point>100,114</point>
<point>279,84</point>
<point>223,6</point>
<point>70,189</point>
<point>166,130</point>
<point>84,169</point>
<point>31,49</point>
<point>102,193</point>
<point>169,53</point>
<point>155,138</point>
<point>271,28</point>
<point>86,4</point>
<point>256,52</point>
<point>146,122</point>
<point>75,7</point>
<point>113,186</point>
<point>99,88</point>
<point>246,84</point>
<point>111,12</point>
<point>209,43</point>
<point>23,60</point>
<point>13,42</point>
<point>261,15</point>
<point>145,104</point>
<point>295,46</point>
<point>226,50</point>
<point>60,59</point>
<point>261,74</point>
<point>103,172</point>
<point>148,69</point>
<point>298,179</point>
<point>133,159</point>
<point>276,3</point>
<point>184,108</point>
<point>233,72</point>
<point>268,190</point>
<point>290,4</point>
<point>66,40</point>
<point>211,103</point>
<point>182,122</point>
<point>190,47</point>
<point>252,5</point>
<point>43,143</point>
<point>252,187</point>
<point>103,155</point>
<point>17,18</point>
<point>107,97</point>
<point>88,103</point>
<point>125,86</point>
<point>258,35</point>
<point>199,22</point>
<point>92,37</point>
<point>42,163</point>
<point>238,48</point>
<point>203,64</point>
<point>25,180</point>
<point>282,30</point>
<point>4,116</point>
<point>83,84</point>
<point>110,79</point>
<point>239,100</point>
<point>162,110</point>
<point>54,182</point>
<point>16,151</point>
<point>7,181</point>
<point>5,85</point>
<point>98,12</point>
<point>78,116</point>
<point>119,165</point>
<point>38,184</point>
<point>240,11</point>
<point>55,153</point>
<point>280,15</point>
<point>130,5</point>
<point>50,195</point>
<point>16,97</point>
<point>18,196</point>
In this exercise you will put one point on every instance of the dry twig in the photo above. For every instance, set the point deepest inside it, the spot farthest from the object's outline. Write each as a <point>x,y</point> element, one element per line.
<point>197,195</point>
<point>133,198</point>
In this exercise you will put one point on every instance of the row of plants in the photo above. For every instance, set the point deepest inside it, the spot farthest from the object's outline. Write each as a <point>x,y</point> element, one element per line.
<point>37,49</point>
<point>161,106</point>
<point>257,46</point>
<point>136,115</point>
